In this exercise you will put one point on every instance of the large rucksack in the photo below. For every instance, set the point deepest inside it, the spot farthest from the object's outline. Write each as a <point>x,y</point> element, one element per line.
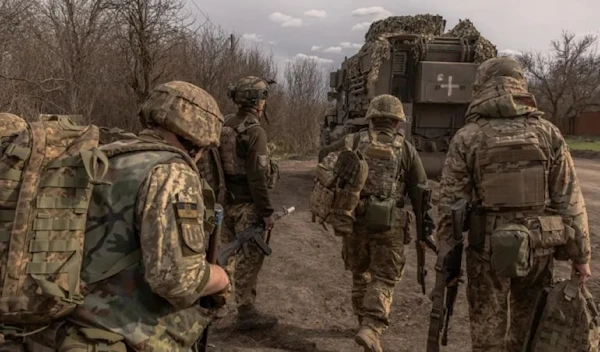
<point>565,319</point>
<point>47,173</point>
<point>339,180</point>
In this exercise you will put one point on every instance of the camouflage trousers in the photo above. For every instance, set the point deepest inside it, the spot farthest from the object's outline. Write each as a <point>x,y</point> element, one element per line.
<point>376,261</point>
<point>243,269</point>
<point>500,308</point>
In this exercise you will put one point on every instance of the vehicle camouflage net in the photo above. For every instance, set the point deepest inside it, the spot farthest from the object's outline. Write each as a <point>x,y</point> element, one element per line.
<point>379,48</point>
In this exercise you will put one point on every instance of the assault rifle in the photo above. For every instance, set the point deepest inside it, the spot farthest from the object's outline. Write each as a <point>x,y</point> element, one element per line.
<point>211,257</point>
<point>251,234</point>
<point>423,242</point>
<point>448,276</point>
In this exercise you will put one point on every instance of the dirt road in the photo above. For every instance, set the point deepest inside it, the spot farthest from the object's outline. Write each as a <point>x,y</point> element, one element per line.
<point>304,282</point>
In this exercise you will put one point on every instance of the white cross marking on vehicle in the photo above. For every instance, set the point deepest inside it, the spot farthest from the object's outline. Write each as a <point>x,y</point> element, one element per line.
<point>449,86</point>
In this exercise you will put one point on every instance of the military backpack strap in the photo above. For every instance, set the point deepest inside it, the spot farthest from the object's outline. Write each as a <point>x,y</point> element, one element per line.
<point>122,264</point>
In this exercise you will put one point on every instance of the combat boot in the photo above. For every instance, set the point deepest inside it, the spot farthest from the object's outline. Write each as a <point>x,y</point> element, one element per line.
<point>249,318</point>
<point>368,339</point>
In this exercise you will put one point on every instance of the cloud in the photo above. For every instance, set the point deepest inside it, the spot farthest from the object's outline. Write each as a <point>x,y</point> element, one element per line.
<point>315,13</point>
<point>316,47</point>
<point>333,49</point>
<point>271,42</point>
<point>253,37</point>
<point>509,52</point>
<point>319,60</point>
<point>348,45</point>
<point>363,26</point>
<point>285,20</point>
<point>377,11</point>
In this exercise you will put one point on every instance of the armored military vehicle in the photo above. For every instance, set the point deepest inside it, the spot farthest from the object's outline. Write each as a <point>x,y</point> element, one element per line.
<point>430,71</point>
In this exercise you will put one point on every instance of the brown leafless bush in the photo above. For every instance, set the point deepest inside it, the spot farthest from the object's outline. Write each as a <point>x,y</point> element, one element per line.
<point>100,59</point>
<point>566,82</point>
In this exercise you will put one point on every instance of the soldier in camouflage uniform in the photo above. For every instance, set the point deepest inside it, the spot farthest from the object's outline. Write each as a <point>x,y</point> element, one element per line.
<point>147,224</point>
<point>375,257</point>
<point>248,176</point>
<point>517,167</point>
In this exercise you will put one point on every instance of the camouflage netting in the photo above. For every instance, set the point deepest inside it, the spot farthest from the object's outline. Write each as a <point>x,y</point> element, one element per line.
<point>418,24</point>
<point>377,46</point>
<point>484,49</point>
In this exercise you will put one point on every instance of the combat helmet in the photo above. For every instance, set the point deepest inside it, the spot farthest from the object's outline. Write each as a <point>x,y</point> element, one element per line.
<point>186,110</point>
<point>249,90</point>
<point>386,106</point>
<point>11,124</point>
<point>499,67</point>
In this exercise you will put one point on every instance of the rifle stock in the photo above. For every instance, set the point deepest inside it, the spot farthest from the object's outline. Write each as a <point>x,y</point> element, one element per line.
<point>448,276</point>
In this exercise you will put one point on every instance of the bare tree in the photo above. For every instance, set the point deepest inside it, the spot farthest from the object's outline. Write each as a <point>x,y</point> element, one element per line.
<point>148,29</point>
<point>305,93</point>
<point>74,33</point>
<point>566,82</point>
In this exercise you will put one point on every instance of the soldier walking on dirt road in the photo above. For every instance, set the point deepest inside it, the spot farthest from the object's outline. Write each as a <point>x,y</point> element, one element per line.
<point>249,173</point>
<point>527,208</point>
<point>373,250</point>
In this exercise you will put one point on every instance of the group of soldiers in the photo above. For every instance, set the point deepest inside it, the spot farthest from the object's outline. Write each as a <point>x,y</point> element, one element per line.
<point>510,164</point>
<point>507,158</point>
<point>148,224</point>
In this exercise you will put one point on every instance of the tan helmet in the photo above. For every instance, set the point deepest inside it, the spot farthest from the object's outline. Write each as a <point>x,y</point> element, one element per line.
<point>186,110</point>
<point>249,90</point>
<point>499,67</point>
<point>11,124</point>
<point>387,106</point>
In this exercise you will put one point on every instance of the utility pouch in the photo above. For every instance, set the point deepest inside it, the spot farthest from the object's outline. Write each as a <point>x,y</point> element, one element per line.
<point>550,231</point>
<point>511,252</point>
<point>379,214</point>
<point>476,227</point>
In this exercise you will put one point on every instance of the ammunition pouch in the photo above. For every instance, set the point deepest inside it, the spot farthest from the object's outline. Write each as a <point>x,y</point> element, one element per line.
<point>342,213</point>
<point>379,214</point>
<point>511,250</point>
<point>547,233</point>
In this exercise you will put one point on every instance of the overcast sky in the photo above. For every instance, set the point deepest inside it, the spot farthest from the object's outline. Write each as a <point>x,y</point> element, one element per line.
<point>332,29</point>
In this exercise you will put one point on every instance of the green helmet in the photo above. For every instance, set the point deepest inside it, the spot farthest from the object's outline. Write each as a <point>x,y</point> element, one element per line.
<point>386,106</point>
<point>499,67</point>
<point>248,91</point>
<point>186,110</point>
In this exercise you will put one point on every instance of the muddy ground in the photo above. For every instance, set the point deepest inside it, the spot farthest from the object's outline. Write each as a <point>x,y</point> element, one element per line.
<point>305,285</point>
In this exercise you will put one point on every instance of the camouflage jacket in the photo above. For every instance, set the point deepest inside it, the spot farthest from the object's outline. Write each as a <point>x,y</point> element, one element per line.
<point>505,101</point>
<point>154,206</point>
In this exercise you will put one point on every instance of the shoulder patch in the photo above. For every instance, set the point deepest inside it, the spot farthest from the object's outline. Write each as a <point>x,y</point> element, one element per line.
<point>262,160</point>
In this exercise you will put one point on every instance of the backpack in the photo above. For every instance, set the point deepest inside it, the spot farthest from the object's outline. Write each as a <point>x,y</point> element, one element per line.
<point>47,173</point>
<point>565,319</point>
<point>336,193</point>
<point>383,160</point>
<point>383,187</point>
<point>324,189</point>
<point>232,163</point>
